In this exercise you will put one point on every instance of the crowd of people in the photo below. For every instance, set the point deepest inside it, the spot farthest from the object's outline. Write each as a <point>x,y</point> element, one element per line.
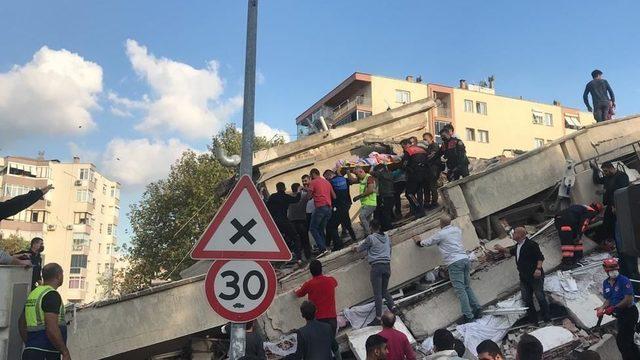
<point>319,204</point>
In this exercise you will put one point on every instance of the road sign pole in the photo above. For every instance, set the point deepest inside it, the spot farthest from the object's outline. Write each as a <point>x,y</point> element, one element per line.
<point>237,344</point>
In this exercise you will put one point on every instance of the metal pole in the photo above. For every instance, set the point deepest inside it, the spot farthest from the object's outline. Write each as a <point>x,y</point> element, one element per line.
<point>238,335</point>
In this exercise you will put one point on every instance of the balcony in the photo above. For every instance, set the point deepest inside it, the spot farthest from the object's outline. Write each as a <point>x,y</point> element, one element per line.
<point>349,105</point>
<point>80,249</point>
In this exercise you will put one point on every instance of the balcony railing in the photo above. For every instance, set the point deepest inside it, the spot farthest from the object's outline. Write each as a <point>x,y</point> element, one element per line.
<point>444,112</point>
<point>348,105</point>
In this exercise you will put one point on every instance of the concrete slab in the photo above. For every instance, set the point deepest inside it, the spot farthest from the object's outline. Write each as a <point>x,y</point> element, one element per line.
<point>607,348</point>
<point>552,336</point>
<point>357,338</point>
<point>582,311</point>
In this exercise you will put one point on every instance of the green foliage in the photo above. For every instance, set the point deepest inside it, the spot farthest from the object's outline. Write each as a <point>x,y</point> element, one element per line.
<point>173,212</point>
<point>13,243</point>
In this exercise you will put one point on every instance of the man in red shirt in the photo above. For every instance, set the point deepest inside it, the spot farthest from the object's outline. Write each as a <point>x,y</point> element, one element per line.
<point>322,193</point>
<point>397,342</point>
<point>321,291</point>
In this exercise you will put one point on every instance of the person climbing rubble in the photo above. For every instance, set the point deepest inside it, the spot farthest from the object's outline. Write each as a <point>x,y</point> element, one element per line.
<point>604,101</point>
<point>454,255</point>
<point>529,261</point>
<point>570,224</point>
<point>619,302</point>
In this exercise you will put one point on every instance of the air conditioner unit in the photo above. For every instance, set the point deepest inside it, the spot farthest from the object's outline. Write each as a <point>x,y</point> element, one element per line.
<point>69,227</point>
<point>78,183</point>
<point>51,227</point>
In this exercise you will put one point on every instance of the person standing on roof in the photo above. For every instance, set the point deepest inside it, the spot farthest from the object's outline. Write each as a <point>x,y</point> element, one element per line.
<point>397,342</point>
<point>455,154</point>
<point>378,247</point>
<point>278,205</point>
<point>529,261</point>
<point>368,198</point>
<point>321,290</point>
<point>42,324</point>
<point>322,193</point>
<point>414,162</point>
<point>601,95</point>
<point>454,255</point>
<point>570,224</point>
<point>619,302</point>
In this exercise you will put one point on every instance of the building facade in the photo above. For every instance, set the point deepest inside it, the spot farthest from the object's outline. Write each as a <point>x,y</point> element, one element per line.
<point>490,124</point>
<point>78,220</point>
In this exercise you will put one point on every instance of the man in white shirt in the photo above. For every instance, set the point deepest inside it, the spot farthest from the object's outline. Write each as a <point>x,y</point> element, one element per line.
<point>454,256</point>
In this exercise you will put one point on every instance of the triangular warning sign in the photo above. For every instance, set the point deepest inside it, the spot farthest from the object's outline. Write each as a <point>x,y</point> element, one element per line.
<point>242,229</point>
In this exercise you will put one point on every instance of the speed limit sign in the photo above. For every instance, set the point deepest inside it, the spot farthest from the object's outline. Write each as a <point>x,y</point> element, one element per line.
<point>240,290</point>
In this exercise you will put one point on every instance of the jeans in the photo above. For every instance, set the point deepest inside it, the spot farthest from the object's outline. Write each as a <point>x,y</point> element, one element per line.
<point>600,112</point>
<point>627,320</point>
<point>333,322</point>
<point>530,288</point>
<point>303,235</point>
<point>290,234</point>
<point>461,281</point>
<point>366,213</point>
<point>319,220</point>
<point>29,354</point>
<point>333,238</point>
<point>380,274</point>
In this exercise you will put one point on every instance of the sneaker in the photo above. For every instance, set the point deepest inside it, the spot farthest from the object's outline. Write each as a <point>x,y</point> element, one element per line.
<point>477,314</point>
<point>375,322</point>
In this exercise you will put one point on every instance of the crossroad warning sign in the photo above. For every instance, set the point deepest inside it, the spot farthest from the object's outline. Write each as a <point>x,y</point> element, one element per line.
<point>242,229</point>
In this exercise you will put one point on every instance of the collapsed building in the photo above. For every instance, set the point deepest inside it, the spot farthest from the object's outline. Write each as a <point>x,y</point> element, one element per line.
<point>174,320</point>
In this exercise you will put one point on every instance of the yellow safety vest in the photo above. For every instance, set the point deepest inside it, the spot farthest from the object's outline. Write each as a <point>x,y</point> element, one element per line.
<point>371,199</point>
<point>33,313</point>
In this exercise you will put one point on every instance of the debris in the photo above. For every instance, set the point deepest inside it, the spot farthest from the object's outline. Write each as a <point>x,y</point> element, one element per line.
<point>286,345</point>
<point>569,325</point>
<point>552,336</point>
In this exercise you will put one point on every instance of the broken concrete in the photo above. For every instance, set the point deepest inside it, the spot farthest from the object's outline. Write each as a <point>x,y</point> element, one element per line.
<point>607,348</point>
<point>552,336</point>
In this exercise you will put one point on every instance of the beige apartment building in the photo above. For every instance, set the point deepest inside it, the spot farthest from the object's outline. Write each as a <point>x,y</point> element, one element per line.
<point>78,220</point>
<point>490,124</point>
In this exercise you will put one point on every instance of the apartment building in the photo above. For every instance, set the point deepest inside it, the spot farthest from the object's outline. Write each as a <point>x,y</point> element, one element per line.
<point>78,220</point>
<point>490,124</point>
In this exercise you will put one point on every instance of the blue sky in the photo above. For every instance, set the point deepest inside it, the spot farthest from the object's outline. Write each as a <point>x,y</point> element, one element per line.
<point>134,80</point>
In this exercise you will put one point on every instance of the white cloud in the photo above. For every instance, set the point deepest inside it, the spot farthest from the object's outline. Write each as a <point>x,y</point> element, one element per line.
<point>84,153</point>
<point>137,162</point>
<point>260,79</point>
<point>184,99</point>
<point>262,129</point>
<point>52,94</point>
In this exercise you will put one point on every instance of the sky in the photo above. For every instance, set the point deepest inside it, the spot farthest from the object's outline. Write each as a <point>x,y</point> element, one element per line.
<point>141,81</point>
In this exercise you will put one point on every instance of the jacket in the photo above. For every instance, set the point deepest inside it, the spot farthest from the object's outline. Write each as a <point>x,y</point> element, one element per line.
<point>612,183</point>
<point>527,262</point>
<point>18,203</point>
<point>455,154</point>
<point>314,342</point>
<point>444,355</point>
<point>378,248</point>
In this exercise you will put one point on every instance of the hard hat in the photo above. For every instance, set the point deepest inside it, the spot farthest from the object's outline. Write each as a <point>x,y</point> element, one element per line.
<point>610,264</point>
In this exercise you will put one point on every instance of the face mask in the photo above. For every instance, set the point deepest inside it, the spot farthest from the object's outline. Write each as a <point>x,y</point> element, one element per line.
<point>613,274</point>
<point>42,248</point>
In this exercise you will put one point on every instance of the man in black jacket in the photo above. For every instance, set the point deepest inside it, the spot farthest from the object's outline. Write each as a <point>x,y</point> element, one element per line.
<point>314,339</point>
<point>455,153</point>
<point>16,204</point>
<point>278,204</point>
<point>35,251</point>
<point>612,179</point>
<point>529,260</point>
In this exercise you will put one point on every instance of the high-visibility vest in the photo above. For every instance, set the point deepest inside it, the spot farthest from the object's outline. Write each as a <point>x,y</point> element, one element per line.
<point>371,199</point>
<point>34,317</point>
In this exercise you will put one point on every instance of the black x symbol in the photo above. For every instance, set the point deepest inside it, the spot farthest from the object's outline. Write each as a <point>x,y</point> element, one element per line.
<point>243,231</point>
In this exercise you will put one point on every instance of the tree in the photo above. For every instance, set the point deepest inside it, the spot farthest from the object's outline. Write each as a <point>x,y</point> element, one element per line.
<point>174,211</point>
<point>13,243</point>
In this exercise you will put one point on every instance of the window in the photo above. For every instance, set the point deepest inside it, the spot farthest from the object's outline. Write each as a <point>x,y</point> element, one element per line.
<point>468,106</point>
<point>113,191</point>
<point>483,136</point>
<point>481,107</point>
<point>11,190</point>
<point>78,262</point>
<point>80,240</point>
<point>83,218</point>
<point>471,134</point>
<point>363,114</point>
<point>537,117</point>
<point>77,282</point>
<point>403,96</point>
<point>84,174</point>
<point>100,229</point>
<point>104,189</point>
<point>548,119</point>
<point>572,122</point>
<point>84,195</point>
<point>538,143</point>
<point>108,249</point>
<point>109,229</point>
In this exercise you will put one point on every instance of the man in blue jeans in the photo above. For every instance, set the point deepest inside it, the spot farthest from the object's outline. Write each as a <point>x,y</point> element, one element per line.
<point>449,242</point>
<point>322,193</point>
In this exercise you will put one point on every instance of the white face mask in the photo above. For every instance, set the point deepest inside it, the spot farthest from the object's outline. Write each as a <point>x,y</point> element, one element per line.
<point>613,274</point>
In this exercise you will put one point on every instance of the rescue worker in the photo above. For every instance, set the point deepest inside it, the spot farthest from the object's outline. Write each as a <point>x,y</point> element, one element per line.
<point>414,161</point>
<point>42,325</point>
<point>455,154</point>
<point>367,197</point>
<point>435,164</point>
<point>571,223</point>
<point>612,179</point>
<point>619,302</point>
